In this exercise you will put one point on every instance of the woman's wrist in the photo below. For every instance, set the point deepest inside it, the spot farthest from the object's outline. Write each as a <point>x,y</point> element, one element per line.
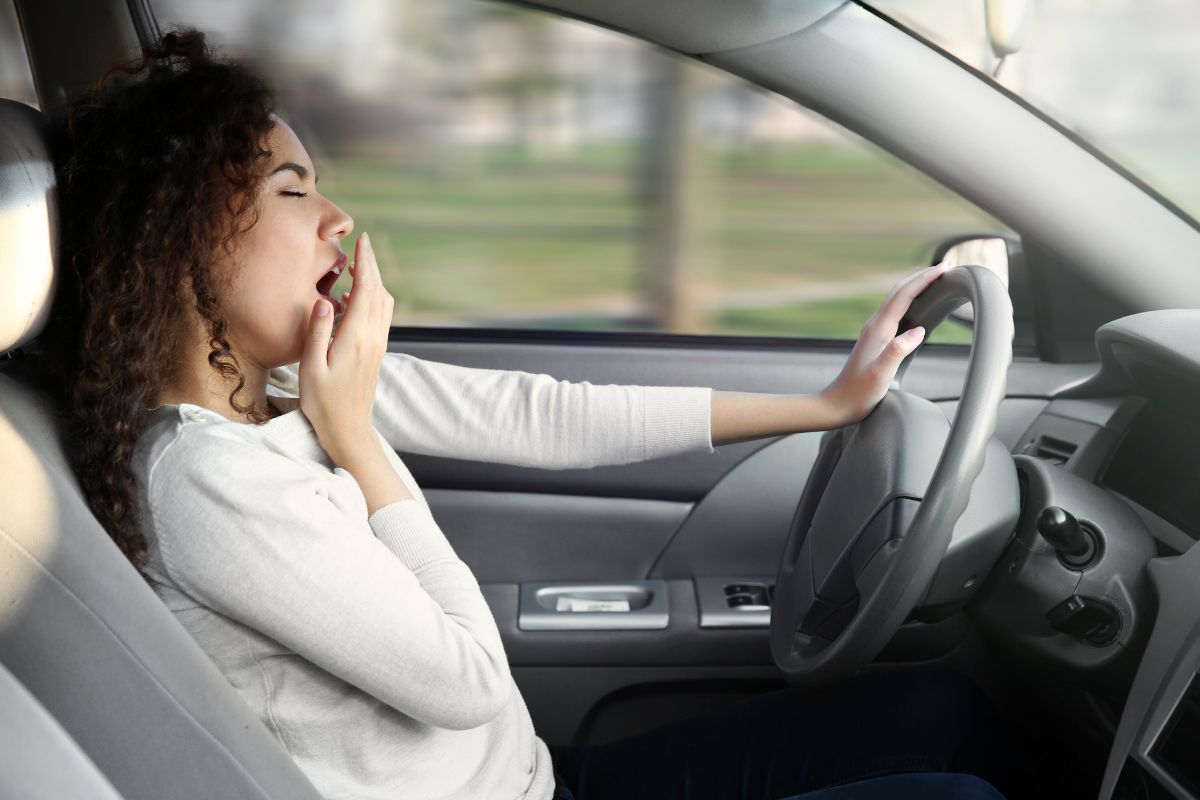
<point>367,462</point>
<point>838,408</point>
<point>349,444</point>
<point>742,416</point>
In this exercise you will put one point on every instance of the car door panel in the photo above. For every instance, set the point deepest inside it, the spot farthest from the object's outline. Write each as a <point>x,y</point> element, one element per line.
<point>725,513</point>
<point>512,537</point>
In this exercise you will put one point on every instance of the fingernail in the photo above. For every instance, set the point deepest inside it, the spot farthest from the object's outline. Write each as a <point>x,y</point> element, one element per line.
<point>915,333</point>
<point>367,239</point>
<point>322,308</point>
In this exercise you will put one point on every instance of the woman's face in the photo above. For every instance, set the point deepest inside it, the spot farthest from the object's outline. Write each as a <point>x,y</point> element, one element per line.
<point>277,263</point>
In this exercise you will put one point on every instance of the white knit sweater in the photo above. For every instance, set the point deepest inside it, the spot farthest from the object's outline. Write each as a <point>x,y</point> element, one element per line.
<point>364,644</point>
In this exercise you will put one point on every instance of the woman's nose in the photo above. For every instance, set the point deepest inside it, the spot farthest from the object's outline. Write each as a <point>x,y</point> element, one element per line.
<point>339,224</point>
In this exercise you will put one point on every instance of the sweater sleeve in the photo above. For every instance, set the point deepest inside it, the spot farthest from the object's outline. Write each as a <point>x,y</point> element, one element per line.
<point>383,603</point>
<point>529,419</point>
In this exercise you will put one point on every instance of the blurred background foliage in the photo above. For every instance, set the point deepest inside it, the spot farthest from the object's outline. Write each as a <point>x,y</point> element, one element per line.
<point>519,170</point>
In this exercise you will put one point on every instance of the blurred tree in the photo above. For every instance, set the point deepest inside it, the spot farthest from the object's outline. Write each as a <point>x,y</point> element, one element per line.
<point>670,192</point>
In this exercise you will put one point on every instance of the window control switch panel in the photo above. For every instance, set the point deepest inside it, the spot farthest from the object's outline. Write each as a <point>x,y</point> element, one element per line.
<point>735,602</point>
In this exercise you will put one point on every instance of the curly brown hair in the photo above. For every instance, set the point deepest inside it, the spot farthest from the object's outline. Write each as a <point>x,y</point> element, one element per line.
<point>159,166</point>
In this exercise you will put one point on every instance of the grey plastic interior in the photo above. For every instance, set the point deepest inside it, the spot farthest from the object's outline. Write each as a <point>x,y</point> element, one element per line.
<point>1031,580</point>
<point>38,759</point>
<point>538,536</point>
<point>594,605</point>
<point>1156,353</point>
<point>1170,661</point>
<point>980,535</point>
<point>1080,433</point>
<point>699,26</point>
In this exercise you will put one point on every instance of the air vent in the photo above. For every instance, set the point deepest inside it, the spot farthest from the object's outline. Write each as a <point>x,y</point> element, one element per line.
<point>1049,448</point>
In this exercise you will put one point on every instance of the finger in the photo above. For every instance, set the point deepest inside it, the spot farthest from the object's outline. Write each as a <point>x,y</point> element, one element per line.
<point>917,282</point>
<point>316,346</point>
<point>351,315</point>
<point>899,348</point>
<point>900,299</point>
<point>898,291</point>
<point>368,267</point>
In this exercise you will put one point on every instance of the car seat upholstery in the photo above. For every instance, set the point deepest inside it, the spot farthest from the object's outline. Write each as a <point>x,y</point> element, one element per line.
<point>38,760</point>
<point>79,628</point>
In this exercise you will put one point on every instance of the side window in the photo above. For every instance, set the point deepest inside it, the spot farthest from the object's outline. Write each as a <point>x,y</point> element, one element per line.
<point>519,170</point>
<point>16,81</point>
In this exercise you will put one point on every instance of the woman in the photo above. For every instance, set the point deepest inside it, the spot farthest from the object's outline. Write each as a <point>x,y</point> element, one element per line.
<point>246,465</point>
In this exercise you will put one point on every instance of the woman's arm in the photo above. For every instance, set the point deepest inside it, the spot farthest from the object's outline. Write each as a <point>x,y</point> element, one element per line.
<point>742,416</point>
<point>527,419</point>
<point>381,601</point>
<point>380,484</point>
<point>534,420</point>
<point>869,371</point>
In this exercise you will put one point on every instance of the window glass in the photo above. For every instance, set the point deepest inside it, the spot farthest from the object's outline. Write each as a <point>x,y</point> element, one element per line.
<point>519,170</point>
<point>1118,73</point>
<point>16,81</point>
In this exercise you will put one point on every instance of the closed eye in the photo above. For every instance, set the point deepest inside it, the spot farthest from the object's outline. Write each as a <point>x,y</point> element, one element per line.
<point>295,194</point>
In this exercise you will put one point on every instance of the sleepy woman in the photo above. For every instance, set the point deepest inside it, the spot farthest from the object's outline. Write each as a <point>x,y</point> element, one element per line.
<point>246,465</point>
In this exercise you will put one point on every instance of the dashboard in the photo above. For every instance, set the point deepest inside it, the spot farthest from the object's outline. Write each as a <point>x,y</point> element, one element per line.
<point>1101,581</point>
<point>1157,465</point>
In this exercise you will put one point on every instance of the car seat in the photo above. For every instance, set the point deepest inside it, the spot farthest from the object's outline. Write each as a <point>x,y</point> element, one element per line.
<point>38,760</point>
<point>79,628</point>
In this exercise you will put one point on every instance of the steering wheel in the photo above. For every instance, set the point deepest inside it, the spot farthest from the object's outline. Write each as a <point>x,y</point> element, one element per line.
<point>878,509</point>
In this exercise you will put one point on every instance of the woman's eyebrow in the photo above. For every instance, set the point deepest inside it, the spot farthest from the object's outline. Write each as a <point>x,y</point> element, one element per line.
<point>296,168</point>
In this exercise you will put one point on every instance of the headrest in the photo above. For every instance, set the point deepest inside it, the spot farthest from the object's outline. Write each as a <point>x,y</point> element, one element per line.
<point>28,224</point>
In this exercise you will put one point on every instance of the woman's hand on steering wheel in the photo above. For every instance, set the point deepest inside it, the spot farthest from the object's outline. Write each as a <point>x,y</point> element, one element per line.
<point>877,354</point>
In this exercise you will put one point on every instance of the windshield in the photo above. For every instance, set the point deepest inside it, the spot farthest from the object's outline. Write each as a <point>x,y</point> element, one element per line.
<point>1121,74</point>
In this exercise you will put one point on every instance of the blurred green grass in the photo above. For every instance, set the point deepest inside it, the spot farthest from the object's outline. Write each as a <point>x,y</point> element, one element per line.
<point>470,235</point>
<point>833,319</point>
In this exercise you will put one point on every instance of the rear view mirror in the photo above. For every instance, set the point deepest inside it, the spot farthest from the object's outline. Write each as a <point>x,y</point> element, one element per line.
<point>1007,24</point>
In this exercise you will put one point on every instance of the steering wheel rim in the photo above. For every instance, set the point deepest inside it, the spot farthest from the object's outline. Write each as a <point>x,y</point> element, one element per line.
<point>807,659</point>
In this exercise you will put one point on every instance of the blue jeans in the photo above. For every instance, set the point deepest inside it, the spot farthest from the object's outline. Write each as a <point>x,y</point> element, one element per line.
<point>787,743</point>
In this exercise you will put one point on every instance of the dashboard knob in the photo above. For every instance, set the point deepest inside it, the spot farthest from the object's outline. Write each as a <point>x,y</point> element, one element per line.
<point>1075,546</point>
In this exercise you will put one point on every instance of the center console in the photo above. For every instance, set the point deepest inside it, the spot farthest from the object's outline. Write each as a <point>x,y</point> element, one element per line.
<point>1156,751</point>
